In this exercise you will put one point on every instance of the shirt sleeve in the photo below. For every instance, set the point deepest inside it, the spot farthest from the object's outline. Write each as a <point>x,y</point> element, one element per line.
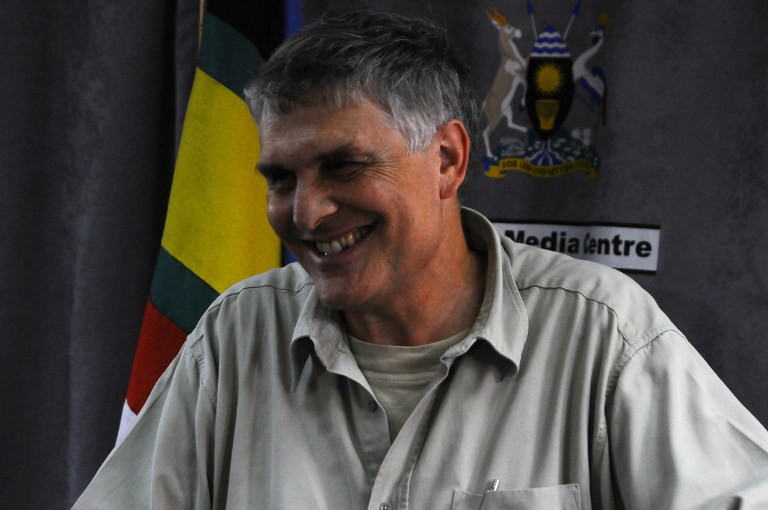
<point>161,462</point>
<point>678,438</point>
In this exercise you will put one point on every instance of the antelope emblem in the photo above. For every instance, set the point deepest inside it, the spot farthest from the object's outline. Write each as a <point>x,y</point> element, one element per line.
<point>510,76</point>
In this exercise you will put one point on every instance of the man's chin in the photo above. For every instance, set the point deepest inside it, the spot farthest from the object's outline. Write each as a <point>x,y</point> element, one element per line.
<point>340,298</point>
<point>335,301</point>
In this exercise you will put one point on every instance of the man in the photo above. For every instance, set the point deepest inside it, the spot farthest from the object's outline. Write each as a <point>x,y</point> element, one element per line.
<point>412,358</point>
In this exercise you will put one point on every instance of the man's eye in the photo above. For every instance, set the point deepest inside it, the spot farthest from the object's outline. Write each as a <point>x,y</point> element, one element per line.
<point>279,180</point>
<point>343,170</point>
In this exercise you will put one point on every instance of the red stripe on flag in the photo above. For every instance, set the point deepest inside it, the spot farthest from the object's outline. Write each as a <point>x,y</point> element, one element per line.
<point>159,342</point>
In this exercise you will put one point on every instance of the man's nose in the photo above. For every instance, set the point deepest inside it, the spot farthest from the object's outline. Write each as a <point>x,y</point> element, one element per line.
<point>313,202</point>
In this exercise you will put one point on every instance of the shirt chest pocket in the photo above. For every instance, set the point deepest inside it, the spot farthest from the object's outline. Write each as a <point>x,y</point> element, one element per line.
<point>542,498</point>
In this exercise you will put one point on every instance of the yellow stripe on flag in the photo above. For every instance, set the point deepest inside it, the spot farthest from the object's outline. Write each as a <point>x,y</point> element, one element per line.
<point>217,216</point>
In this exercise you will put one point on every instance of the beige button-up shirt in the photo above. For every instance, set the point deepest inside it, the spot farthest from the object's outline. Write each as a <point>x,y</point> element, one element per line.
<point>572,389</point>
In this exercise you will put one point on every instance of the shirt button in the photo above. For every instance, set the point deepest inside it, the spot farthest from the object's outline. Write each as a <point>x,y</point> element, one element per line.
<point>372,406</point>
<point>385,506</point>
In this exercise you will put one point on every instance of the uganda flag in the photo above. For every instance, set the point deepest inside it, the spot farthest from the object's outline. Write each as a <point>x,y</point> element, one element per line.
<point>216,231</point>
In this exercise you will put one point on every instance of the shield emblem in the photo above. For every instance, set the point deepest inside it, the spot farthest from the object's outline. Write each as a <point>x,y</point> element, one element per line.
<point>549,75</point>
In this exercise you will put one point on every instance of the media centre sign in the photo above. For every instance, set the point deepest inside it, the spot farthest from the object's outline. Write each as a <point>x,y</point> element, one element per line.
<point>628,248</point>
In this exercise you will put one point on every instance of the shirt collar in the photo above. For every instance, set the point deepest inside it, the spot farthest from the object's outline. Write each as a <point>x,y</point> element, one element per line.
<point>502,321</point>
<point>318,331</point>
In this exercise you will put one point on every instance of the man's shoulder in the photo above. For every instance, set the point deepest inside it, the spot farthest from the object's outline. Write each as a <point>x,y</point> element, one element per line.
<point>636,311</point>
<point>270,301</point>
<point>282,285</point>
<point>536,267</point>
<point>291,279</point>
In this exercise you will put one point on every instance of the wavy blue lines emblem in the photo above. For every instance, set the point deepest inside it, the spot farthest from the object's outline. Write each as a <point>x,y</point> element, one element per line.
<point>550,44</point>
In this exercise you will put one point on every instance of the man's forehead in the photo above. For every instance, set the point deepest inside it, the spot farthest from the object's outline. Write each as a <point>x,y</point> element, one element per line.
<point>311,132</point>
<point>309,126</point>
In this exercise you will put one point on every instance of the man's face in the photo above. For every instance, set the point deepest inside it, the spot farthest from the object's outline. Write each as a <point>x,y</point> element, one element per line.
<point>361,215</point>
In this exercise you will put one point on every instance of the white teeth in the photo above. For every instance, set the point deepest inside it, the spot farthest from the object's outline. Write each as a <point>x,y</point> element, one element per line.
<point>338,245</point>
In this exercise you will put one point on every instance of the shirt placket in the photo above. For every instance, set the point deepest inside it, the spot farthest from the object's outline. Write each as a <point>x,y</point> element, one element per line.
<point>392,484</point>
<point>371,428</point>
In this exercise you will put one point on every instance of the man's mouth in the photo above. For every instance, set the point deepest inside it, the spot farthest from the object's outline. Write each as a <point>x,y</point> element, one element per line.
<point>342,242</point>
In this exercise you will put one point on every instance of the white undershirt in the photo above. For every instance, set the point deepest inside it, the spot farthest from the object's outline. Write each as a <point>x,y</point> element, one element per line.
<point>398,375</point>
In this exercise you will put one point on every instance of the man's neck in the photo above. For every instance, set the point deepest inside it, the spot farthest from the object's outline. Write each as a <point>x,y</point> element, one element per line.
<point>419,317</point>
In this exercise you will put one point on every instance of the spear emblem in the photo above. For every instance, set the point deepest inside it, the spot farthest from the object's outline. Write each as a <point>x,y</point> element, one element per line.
<point>533,19</point>
<point>574,13</point>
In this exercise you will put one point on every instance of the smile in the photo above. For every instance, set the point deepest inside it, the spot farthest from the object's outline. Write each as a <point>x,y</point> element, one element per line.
<point>343,242</point>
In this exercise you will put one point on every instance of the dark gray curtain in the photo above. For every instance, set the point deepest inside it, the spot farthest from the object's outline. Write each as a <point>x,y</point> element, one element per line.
<point>91,95</point>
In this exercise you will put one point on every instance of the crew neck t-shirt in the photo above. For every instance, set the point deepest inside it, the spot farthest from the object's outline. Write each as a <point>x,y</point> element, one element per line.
<point>399,376</point>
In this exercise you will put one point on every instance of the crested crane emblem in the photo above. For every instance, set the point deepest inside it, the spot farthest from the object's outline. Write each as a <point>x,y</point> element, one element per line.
<point>545,85</point>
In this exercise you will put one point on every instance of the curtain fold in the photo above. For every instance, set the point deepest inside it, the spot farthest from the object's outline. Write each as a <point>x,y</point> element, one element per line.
<point>91,98</point>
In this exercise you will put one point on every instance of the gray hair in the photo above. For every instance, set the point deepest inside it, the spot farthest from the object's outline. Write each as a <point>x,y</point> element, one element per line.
<point>404,64</point>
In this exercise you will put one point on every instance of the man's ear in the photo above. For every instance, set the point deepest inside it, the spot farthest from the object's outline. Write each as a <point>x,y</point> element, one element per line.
<point>454,157</point>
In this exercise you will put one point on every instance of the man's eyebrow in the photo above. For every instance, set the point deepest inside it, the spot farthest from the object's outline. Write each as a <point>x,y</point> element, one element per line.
<point>342,152</point>
<point>345,152</point>
<point>269,168</point>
